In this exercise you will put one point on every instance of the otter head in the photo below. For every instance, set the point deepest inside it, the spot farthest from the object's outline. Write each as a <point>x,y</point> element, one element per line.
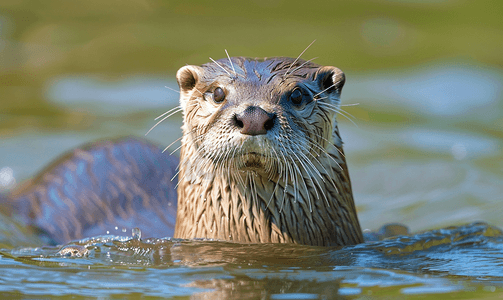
<point>261,157</point>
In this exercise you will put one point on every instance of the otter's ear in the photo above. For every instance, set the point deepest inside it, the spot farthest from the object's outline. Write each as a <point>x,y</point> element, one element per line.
<point>330,79</point>
<point>187,78</point>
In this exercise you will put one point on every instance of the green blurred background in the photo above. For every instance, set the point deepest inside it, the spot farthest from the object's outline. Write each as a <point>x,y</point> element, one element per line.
<point>49,48</point>
<point>44,39</point>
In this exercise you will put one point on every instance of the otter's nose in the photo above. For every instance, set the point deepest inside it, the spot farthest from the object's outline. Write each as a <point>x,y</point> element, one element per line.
<point>254,121</point>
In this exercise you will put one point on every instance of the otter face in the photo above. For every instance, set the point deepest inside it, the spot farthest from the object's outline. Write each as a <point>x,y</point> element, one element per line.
<point>251,115</point>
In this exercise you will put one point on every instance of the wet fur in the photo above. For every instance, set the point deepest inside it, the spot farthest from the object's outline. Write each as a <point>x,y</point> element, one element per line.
<point>293,188</point>
<point>297,189</point>
<point>91,190</point>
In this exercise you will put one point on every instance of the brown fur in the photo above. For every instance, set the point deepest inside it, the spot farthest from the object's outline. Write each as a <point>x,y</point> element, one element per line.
<point>290,185</point>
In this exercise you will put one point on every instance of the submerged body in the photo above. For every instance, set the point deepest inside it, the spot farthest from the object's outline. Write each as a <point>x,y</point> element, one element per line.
<point>92,190</point>
<point>261,161</point>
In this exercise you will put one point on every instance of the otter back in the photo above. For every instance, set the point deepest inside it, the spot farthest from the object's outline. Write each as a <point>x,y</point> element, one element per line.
<point>124,183</point>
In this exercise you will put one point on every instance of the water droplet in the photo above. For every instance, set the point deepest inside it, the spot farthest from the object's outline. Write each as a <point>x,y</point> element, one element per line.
<point>108,232</point>
<point>136,233</point>
<point>73,251</point>
<point>124,229</point>
<point>116,228</point>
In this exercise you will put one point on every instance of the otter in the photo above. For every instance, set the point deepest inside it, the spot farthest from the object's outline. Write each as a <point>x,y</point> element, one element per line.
<point>261,161</point>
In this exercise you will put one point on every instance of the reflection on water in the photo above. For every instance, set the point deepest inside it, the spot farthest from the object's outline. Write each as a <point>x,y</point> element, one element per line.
<point>104,97</point>
<point>426,153</point>
<point>457,259</point>
<point>446,89</point>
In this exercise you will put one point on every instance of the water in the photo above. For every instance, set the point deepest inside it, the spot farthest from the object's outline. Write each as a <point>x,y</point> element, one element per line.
<point>426,152</point>
<point>433,263</point>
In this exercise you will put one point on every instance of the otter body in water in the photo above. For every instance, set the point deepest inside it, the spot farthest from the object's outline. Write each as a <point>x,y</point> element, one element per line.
<point>261,161</point>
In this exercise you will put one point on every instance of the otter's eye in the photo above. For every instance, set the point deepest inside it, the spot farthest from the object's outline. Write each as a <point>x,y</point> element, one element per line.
<point>296,96</point>
<point>218,95</point>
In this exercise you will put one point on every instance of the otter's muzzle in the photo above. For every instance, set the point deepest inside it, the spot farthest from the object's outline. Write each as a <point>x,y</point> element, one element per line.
<point>254,121</point>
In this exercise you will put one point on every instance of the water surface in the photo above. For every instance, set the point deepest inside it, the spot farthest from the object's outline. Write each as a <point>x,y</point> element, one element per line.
<point>424,147</point>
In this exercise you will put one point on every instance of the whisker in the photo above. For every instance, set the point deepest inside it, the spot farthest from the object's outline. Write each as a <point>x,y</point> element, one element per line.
<point>169,111</point>
<point>172,89</point>
<point>230,60</point>
<point>176,111</point>
<point>323,150</point>
<point>347,113</point>
<point>303,64</point>
<point>199,91</point>
<point>339,111</point>
<point>298,57</point>
<point>295,188</point>
<point>172,178</point>
<point>325,90</point>
<point>279,176</point>
<point>172,144</point>
<point>178,148</point>
<point>273,192</point>
<point>322,190</point>
<point>310,163</point>
<point>252,177</point>
<point>327,172</point>
<point>289,168</point>
<point>354,123</point>
<point>304,182</point>
<point>307,172</point>
<point>221,66</point>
